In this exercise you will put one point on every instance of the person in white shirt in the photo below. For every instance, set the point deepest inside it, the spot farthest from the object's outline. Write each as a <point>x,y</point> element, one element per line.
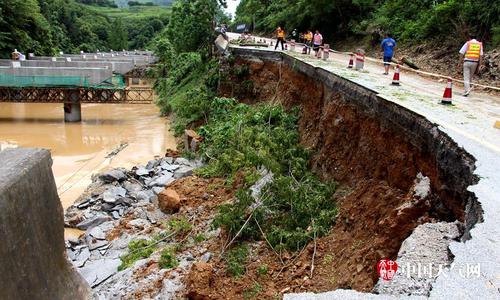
<point>317,42</point>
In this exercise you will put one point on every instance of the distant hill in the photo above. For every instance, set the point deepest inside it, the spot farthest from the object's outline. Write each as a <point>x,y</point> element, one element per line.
<point>124,3</point>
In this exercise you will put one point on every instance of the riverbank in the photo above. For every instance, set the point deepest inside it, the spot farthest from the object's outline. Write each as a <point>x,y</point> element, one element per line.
<point>141,206</point>
<point>109,136</point>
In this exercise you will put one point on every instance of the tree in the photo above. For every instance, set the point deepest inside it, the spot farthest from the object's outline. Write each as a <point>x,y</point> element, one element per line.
<point>23,27</point>
<point>118,36</point>
<point>191,24</point>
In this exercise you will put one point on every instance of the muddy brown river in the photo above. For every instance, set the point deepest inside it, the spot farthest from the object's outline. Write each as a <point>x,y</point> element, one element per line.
<point>136,132</point>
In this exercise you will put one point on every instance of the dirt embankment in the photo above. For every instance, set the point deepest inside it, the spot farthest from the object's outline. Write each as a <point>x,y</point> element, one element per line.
<point>375,150</point>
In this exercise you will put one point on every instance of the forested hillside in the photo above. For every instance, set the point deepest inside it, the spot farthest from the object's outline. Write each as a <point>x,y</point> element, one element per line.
<point>416,21</point>
<point>45,27</point>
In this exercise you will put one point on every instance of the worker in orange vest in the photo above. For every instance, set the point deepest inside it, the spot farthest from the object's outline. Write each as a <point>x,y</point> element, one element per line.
<point>470,53</point>
<point>309,37</point>
<point>281,38</point>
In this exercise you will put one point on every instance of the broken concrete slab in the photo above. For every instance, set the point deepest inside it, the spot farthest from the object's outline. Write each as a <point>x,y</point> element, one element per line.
<point>82,257</point>
<point>168,167</point>
<point>112,176</point>
<point>183,171</point>
<point>182,161</point>
<point>147,195</point>
<point>142,171</point>
<point>152,164</point>
<point>132,187</point>
<point>162,180</point>
<point>94,221</point>
<point>95,272</point>
<point>97,233</point>
<point>113,194</point>
<point>421,258</point>
<point>97,244</point>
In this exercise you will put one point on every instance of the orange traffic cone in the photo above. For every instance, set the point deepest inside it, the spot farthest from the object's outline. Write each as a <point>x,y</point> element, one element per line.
<point>351,61</point>
<point>447,93</point>
<point>395,79</point>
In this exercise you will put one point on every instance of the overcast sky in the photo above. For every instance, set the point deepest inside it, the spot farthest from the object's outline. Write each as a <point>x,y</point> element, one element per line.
<point>231,6</point>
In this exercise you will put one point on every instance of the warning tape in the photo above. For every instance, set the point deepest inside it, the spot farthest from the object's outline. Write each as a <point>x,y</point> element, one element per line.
<point>419,71</point>
<point>405,68</point>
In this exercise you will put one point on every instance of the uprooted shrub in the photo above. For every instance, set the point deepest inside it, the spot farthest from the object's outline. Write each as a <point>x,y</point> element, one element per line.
<point>292,209</point>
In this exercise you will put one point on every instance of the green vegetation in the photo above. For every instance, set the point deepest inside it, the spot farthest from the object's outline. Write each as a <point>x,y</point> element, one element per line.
<point>124,3</point>
<point>262,270</point>
<point>140,24</point>
<point>295,206</point>
<point>240,139</point>
<point>105,3</point>
<point>167,259</point>
<point>328,259</point>
<point>179,225</point>
<point>45,27</point>
<point>138,249</point>
<point>199,238</point>
<point>410,21</point>
<point>236,259</point>
<point>132,14</point>
<point>251,293</point>
<point>137,3</point>
<point>187,78</point>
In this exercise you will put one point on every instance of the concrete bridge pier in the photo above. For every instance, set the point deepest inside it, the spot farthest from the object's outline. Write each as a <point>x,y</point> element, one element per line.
<point>73,109</point>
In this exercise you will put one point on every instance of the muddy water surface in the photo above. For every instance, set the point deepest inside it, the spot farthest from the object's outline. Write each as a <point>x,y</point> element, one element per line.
<point>136,132</point>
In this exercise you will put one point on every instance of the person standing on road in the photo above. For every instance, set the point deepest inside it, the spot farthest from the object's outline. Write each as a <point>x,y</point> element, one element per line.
<point>388,45</point>
<point>471,54</point>
<point>281,38</point>
<point>317,42</point>
<point>309,38</point>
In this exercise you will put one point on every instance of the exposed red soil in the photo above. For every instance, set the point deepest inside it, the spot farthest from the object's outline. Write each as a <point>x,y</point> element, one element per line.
<point>376,167</point>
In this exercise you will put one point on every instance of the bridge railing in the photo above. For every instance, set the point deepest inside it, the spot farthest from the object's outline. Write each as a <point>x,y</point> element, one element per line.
<point>76,95</point>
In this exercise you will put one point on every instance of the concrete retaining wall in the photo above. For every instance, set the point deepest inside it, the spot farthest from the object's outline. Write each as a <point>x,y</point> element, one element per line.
<point>33,264</point>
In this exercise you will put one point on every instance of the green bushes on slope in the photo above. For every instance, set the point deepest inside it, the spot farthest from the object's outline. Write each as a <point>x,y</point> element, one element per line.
<point>239,141</point>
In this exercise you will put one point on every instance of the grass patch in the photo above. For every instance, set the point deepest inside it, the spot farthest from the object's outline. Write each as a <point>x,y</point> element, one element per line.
<point>199,238</point>
<point>252,293</point>
<point>133,13</point>
<point>328,259</point>
<point>138,249</point>
<point>262,270</point>
<point>236,259</point>
<point>168,259</point>
<point>180,225</point>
